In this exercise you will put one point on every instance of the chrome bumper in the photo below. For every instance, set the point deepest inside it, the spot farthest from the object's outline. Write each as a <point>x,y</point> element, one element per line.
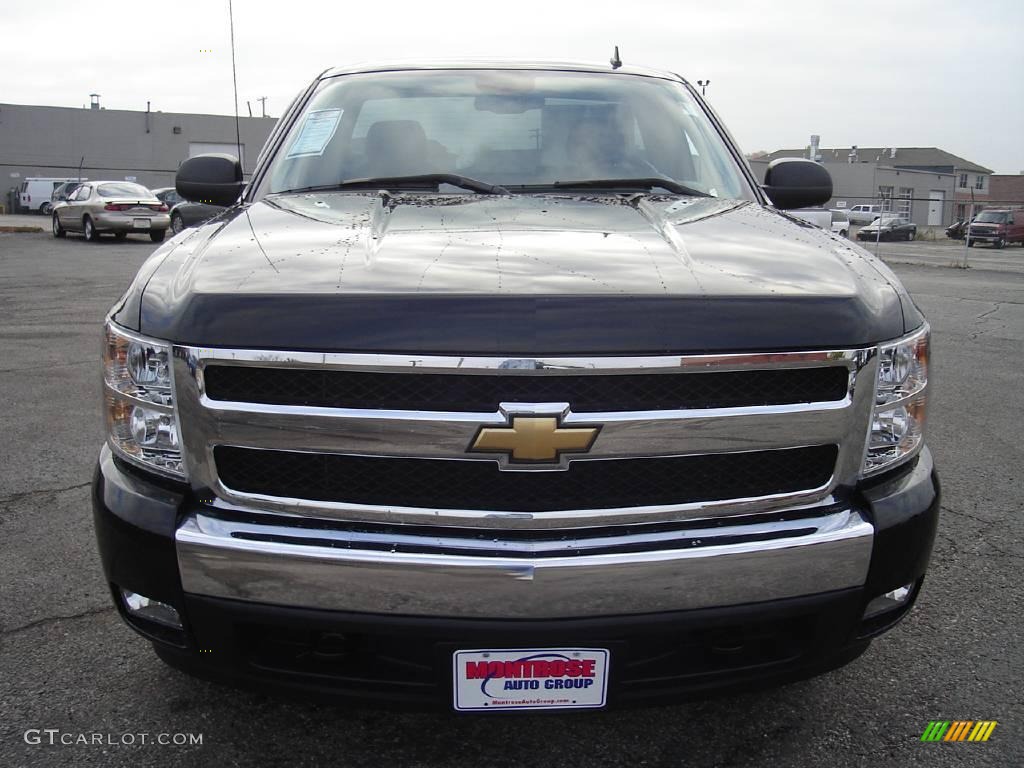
<point>331,569</point>
<point>126,221</point>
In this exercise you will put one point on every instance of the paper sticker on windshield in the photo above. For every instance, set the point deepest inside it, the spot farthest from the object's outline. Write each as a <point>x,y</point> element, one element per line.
<point>316,133</point>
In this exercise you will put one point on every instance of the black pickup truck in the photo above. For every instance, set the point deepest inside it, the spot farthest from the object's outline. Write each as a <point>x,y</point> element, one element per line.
<point>510,387</point>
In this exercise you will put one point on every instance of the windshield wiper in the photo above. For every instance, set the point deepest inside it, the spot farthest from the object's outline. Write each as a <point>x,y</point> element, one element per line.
<point>653,182</point>
<point>383,182</point>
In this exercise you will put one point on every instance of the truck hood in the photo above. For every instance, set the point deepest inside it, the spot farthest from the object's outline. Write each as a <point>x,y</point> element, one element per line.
<point>518,275</point>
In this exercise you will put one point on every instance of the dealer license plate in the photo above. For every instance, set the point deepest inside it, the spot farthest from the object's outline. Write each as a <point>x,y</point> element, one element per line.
<point>530,678</point>
<point>140,223</point>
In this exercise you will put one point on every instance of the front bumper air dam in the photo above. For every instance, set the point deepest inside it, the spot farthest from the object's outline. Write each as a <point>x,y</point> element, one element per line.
<point>708,648</point>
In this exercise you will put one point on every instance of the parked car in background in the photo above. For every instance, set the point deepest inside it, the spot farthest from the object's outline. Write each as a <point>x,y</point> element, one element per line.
<point>997,227</point>
<point>35,193</point>
<point>168,195</point>
<point>840,222</point>
<point>863,214</point>
<point>118,207</point>
<point>888,227</point>
<point>183,213</point>
<point>63,191</point>
<point>958,229</point>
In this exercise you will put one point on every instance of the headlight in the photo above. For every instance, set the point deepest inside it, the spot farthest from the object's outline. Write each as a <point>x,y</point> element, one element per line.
<point>897,423</point>
<point>142,424</point>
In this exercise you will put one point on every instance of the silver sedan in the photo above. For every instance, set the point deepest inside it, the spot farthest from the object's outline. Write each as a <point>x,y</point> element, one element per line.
<point>118,207</point>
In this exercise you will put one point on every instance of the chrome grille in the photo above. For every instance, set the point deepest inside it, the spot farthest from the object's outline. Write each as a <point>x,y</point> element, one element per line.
<point>428,443</point>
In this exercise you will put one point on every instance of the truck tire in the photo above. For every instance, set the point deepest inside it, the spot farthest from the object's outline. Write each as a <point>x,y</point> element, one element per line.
<point>999,243</point>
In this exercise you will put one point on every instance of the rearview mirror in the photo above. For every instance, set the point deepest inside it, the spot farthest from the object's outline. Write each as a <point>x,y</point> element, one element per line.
<point>214,179</point>
<point>792,182</point>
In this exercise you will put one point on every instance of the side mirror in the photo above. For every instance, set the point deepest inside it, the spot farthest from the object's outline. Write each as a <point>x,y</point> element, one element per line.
<point>792,182</point>
<point>214,179</point>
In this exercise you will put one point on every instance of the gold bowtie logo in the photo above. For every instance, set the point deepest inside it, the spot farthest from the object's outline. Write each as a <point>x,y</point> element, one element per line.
<point>532,439</point>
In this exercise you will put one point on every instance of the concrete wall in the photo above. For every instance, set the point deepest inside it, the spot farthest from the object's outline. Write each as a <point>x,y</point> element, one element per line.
<point>50,141</point>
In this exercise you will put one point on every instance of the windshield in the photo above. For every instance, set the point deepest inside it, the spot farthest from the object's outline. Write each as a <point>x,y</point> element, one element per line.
<point>514,128</point>
<point>990,217</point>
<point>123,189</point>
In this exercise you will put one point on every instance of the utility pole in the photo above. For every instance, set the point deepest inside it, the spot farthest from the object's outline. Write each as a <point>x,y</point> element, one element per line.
<point>263,102</point>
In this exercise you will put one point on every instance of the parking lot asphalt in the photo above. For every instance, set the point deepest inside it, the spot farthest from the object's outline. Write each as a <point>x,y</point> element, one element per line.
<point>68,663</point>
<point>943,252</point>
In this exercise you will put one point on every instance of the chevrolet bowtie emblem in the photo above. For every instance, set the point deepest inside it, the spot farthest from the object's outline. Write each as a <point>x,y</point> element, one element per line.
<point>534,439</point>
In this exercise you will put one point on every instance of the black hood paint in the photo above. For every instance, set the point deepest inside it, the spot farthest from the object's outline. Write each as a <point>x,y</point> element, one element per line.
<point>517,275</point>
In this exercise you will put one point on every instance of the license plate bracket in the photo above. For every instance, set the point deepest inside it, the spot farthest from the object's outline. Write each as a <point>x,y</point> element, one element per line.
<point>495,679</point>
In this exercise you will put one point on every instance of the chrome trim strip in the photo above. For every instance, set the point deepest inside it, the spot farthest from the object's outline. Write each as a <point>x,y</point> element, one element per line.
<point>523,366</point>
<point>426,434</point>
<point>215,560</point>
<point>482,518</point>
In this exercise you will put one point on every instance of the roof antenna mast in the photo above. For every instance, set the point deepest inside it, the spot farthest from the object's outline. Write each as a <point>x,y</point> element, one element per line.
<point>234,80</point>
<point>615,61</point>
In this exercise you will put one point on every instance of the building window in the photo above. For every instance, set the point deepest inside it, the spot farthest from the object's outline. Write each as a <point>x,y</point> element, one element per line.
<point>963,181</point>
<point>979,182</point>
<point>904,203</point>
<point>886,194</point>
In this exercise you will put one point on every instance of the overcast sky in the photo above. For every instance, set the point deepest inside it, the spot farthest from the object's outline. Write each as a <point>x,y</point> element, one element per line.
<point>891,73</point>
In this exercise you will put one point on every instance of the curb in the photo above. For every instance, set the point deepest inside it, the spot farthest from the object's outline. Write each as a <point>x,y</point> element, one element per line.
<point>12,228</point>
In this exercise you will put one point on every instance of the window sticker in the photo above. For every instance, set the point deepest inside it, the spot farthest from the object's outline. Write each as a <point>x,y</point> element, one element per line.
<point>316,133</point>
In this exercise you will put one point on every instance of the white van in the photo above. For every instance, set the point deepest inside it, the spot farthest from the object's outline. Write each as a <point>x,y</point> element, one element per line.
<point>35,193</point>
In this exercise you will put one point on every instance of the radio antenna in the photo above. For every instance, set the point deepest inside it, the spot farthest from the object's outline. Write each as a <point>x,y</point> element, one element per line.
<point>615,61</point>
<point>234,80</point>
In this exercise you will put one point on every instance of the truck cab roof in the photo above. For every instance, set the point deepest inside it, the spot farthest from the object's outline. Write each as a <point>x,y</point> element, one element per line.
<point>563,66</point>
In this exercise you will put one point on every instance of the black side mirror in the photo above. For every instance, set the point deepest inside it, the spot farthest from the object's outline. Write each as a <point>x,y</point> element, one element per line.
<point>214,179</point>
<point>792,182</point>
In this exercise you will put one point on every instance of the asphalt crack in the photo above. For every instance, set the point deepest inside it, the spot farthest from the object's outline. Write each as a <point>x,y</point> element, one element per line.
<point>975,518</point>
<point>53,619</point>
<point>43,492</point>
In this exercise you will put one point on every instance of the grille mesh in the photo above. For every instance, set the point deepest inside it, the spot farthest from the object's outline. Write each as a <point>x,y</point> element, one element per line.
<point>443,484</point>
<point>483,392</point>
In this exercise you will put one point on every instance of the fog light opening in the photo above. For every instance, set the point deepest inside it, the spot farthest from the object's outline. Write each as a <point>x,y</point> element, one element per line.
<point>892,600</point>
<point>142,607</point>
